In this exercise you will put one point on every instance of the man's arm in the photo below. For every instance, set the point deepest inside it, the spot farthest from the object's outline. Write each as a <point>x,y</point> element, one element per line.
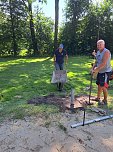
<point>104,62</point>
<point>54,58</point>
<point>66,58</point>
<point>93,66</point>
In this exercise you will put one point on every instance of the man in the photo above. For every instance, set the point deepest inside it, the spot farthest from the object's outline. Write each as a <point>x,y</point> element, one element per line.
<point>59,56</point>
<point>103,68</point>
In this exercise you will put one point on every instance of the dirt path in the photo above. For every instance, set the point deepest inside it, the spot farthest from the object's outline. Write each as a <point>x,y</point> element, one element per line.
<point>54,134</point>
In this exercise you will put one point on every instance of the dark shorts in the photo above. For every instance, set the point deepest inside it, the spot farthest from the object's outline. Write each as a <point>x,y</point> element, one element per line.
<point>103,79</point>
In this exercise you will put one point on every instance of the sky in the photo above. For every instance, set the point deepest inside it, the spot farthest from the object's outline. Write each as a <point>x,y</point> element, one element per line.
<point>49,9</point>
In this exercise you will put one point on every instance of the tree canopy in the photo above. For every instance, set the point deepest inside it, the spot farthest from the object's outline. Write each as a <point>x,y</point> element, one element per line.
<point>25,32</point>
<point>86,23</point>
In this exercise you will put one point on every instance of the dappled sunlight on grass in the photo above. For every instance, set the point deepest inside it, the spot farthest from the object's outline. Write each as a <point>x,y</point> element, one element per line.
<point>78,74</point>
<point>112,62</point>
<point>48,81</point>
<point>88,65</point>
<point>71,74</point>
<point>23,79</point>
<point>24,75</point>
<point>37,60</point>
<point>3,66</point>
<point>76,64</point>
<point>8,90</point>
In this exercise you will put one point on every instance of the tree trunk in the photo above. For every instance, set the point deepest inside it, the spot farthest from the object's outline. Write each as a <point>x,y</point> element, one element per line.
<point>15,46</point>
<point>56,24</point>
<point>34,41</point>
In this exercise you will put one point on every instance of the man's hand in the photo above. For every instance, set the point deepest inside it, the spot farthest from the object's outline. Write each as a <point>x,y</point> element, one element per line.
<point>94,53</point>
<point>95,70</point>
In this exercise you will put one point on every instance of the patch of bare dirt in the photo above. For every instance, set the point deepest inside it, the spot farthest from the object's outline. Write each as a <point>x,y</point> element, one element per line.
<point>53,133</point>
<point>62,102</point>
<point>33,135</point>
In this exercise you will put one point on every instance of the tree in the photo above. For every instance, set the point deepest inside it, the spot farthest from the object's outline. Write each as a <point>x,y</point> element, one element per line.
<point>32,26</point>
<point>74,13</point>
<point>15,47</point>
<point>34,41</point>
<point>13,15</point>
<point>17,27</point>
<point>44,33</point>
<point>99,24</point>
<point>85,23</point>
<point>56,23</point>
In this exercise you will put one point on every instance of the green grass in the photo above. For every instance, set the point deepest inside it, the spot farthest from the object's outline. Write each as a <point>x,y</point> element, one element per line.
<point>25,78</point>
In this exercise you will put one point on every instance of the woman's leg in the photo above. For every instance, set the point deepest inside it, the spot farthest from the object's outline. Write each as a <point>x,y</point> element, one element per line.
<point>62,66</point>
<point>57,67</point>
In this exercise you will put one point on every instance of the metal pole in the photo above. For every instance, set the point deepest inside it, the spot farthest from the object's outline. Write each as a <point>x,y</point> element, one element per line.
<point>84,116</point>
<point>92,121</point>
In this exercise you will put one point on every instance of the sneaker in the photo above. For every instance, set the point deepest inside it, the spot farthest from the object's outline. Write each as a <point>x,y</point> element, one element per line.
<point>104,102</point>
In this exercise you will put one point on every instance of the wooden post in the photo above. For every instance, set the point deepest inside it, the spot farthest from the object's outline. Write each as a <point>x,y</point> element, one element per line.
<point>72,100</point>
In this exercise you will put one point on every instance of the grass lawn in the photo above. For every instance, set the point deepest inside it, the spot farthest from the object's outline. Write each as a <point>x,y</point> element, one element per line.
<point>25,78</point>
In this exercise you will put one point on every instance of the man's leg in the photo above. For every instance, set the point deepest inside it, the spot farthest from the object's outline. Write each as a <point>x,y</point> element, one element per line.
<point>106,85</point>
<point>99,92</point>
<point>61,84</point>
<point>100,82</point>
<point>105,92</point>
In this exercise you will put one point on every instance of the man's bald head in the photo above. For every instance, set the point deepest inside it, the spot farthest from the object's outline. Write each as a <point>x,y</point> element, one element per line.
<point>101,45</point>
<point>101,41</point>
